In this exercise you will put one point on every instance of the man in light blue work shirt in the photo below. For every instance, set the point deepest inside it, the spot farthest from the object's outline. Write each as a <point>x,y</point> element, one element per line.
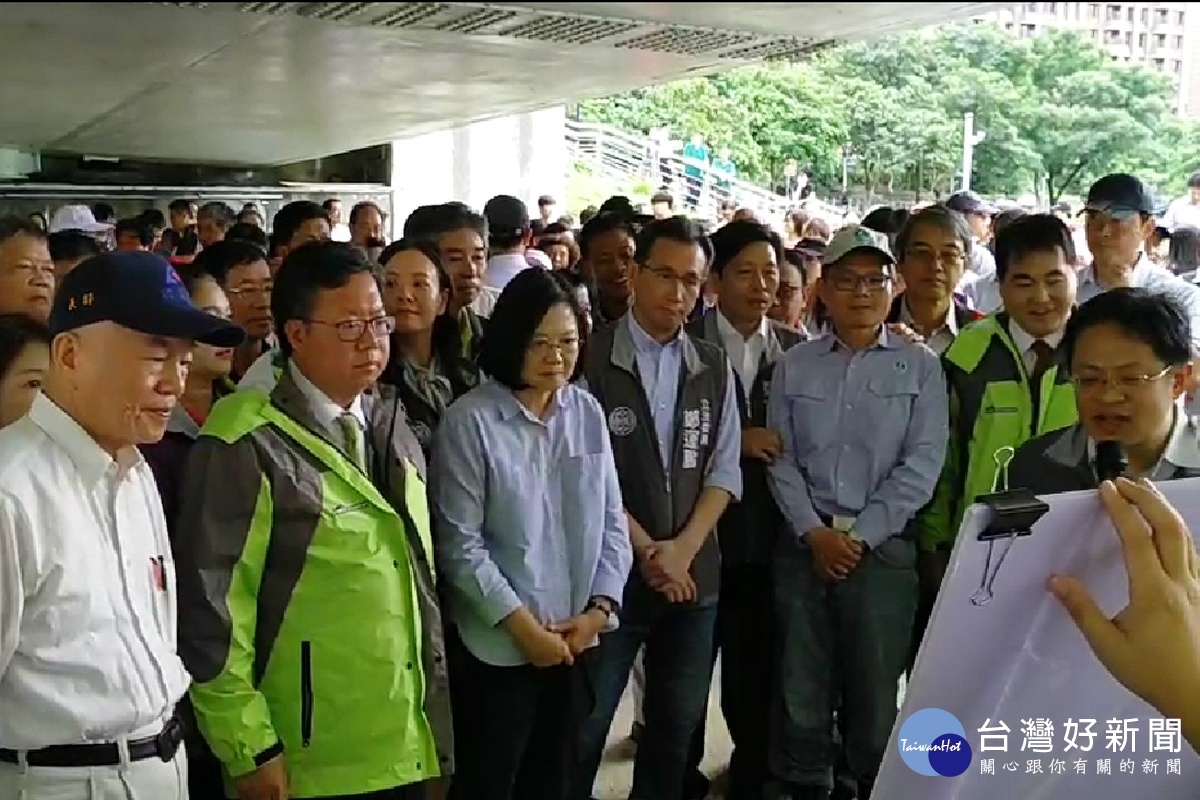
<point>673,418</point>
<point>862,415</point>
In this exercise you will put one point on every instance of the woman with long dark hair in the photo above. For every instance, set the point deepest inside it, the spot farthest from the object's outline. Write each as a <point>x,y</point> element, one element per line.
<point>425,365</point>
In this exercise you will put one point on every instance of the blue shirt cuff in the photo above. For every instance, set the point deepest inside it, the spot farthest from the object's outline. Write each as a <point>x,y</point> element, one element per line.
<point>495,606</point>
<point>730,482</point>
<point>871,527</point>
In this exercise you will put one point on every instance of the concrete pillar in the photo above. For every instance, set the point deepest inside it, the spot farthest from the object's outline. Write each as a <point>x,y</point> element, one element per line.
<point>523,155</point>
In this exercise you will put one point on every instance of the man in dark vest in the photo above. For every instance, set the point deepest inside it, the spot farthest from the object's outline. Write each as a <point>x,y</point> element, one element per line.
<point>747,257</point>
<point>672,409</point>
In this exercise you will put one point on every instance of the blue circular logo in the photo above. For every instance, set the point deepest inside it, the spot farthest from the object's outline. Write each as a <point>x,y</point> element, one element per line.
<point>933,742</point>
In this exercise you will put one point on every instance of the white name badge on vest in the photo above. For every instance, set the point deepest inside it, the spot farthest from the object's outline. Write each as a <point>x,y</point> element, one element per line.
<point>697,427</point>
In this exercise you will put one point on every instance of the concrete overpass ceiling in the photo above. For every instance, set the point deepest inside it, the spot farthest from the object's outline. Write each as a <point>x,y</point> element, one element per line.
<point>272,83</point>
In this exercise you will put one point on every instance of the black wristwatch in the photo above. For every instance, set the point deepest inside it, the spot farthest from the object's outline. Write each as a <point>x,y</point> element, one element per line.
<point>601,603</point>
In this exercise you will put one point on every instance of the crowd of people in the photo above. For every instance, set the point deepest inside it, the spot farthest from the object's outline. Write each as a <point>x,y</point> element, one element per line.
<point>289,517</point>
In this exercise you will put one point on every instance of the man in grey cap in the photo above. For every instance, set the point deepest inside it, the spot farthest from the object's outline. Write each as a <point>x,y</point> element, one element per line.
<point>1118,220</point>
<point>845,572</point>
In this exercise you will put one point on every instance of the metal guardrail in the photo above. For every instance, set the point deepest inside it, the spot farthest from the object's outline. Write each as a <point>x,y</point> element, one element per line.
<point>696,187</point>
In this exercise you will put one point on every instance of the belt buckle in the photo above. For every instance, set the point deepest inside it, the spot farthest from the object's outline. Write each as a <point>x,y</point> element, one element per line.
<point>166,743</point>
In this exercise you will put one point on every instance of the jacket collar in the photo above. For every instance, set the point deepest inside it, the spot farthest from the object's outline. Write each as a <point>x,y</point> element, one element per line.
<point>960,316</point>
<point>289,398</point>
<point>181,422</point>
<point>1073,448</point>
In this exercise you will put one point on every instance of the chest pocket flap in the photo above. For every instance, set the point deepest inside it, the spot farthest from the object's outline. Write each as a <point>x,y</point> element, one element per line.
<point>897,384</point>
<point>805,386</point>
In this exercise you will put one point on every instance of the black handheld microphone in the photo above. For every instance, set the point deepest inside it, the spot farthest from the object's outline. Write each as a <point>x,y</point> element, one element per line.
<point>1110,461</point>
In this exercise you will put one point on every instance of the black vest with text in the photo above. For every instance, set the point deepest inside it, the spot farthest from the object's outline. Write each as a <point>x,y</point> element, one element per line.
<point>661,500</point>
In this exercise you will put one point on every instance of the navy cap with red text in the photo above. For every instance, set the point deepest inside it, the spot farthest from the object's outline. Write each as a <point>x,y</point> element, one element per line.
<point>139,291</point>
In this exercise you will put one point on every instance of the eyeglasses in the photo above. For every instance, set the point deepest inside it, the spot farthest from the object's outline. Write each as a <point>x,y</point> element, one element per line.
<point>850,283</point>
<point>947,258</point>
<point>352,330</point>
<point>545,347</point>
<point>248,291</point>
<point>1125,383</point>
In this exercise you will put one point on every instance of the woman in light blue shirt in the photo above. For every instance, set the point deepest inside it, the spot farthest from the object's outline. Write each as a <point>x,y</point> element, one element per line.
<point>531,537</point>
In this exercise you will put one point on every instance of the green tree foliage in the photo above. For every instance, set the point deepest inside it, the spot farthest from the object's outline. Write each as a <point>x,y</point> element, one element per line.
<point>1056,110</point>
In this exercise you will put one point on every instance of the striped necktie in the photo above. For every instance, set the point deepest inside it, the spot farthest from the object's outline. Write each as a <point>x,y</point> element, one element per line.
<point>352,437</point>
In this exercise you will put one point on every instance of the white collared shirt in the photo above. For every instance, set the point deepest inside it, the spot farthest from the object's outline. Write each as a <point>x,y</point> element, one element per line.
<point>503,268</point>
<point>943,337</point>
<point>981,261</point>
<point>745,353</point>
<point>1182,213</point>
<point>485,302</point>
<point>1024,342</point>
<point>326,411</point>
<point>87,590</point>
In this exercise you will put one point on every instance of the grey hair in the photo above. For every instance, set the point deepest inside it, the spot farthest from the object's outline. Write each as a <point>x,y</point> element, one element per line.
<point>939,216</point>
<point>219,212</point>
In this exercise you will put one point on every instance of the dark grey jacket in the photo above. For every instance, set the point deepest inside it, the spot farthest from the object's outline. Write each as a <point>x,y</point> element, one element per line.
<point>1059,461</point>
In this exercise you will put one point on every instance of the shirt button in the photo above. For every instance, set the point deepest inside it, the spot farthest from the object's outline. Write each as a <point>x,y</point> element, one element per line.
<point>408,665</point>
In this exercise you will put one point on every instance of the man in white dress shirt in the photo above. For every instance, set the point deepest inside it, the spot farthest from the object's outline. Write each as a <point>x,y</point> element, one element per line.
<point>89,678</point>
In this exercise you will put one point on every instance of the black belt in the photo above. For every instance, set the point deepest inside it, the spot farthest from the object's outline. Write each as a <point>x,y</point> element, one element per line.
<point>163,746</point>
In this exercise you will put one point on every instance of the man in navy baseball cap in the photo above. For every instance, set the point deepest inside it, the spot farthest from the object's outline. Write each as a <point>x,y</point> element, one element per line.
<point>1121,196</point>
<point>139,291</point>
<point>124,330</point>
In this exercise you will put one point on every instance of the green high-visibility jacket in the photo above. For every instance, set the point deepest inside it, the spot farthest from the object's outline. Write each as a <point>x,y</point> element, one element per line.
<point>991,407</point>
<point>308,610</point>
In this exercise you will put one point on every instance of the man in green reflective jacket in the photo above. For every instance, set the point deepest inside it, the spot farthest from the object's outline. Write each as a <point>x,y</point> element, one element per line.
<point>1007,382</point>
<point>308,611</point>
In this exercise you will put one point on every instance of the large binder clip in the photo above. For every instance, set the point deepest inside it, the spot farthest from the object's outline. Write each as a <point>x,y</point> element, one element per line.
<point>1012,514</point>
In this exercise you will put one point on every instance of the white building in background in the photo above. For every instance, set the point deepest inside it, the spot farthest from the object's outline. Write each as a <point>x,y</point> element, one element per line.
<point>1162,36</point>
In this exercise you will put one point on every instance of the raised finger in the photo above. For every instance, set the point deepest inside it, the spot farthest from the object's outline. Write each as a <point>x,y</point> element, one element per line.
<point>1137,545</point>
<point>1168,530</point>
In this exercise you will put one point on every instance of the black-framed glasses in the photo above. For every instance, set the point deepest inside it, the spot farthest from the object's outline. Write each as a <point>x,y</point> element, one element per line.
<point>351,330</point>
<point>844,282</point>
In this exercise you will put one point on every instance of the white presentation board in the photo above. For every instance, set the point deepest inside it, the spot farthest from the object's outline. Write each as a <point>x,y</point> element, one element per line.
<point>1018,662</point>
